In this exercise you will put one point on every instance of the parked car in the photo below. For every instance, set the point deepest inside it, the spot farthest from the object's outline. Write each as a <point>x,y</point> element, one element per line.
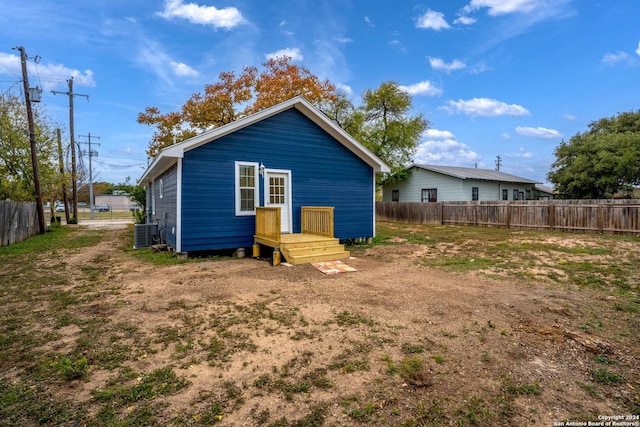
<point>101,208</point>
<point>133,207</point>
<point>60,208</point>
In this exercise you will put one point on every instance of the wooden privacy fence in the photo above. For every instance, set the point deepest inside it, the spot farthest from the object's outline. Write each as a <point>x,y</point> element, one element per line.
<point>608,216</point>
<point>18,221</point>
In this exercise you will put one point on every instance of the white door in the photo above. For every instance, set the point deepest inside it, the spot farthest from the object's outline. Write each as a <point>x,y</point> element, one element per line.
<point>278,194</point>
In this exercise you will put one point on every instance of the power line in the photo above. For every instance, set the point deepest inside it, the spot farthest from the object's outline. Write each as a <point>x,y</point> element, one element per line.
<point>91,154</point>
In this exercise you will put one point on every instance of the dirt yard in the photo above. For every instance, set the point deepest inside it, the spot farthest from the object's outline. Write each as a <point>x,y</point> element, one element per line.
<point>394,343</point>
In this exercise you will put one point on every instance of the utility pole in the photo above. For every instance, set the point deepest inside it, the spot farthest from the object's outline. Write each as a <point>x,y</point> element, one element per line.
<point>64,181</point>
<point>498,163</point>
<point>74,176</point>
<point>91,154</point>
<point>32,139</point>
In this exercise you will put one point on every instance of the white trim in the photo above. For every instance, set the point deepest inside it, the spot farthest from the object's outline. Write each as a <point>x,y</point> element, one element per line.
<point>288,195</point>
<point>153,198</point>
<point>179,207</point>
<point>256,187</point>
<point>373,232</point>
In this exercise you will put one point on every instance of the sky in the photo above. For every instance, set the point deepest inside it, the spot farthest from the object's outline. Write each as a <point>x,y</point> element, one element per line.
<point>507,78</point>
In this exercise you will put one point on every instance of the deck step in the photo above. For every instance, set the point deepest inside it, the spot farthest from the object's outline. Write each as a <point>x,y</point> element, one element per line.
<point>314,252</point>
<point>316,257</point>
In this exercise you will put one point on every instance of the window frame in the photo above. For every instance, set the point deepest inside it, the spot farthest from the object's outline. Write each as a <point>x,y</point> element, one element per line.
<point>505,194</point>
<point>475,194</point>
<point>395,195</point>
<point>238,188</point>
<point>433,195</point>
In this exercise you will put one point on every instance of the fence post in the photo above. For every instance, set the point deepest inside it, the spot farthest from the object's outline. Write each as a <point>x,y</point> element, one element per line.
<point>552,215</point>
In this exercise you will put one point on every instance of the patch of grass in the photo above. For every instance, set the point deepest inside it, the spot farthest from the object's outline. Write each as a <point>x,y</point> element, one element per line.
<point>69,369</point>
<point>589,389</point>
<point>438,358</point>
<point>345,318</point>
<point>474,412</point>
<point>601,358</point>
<point>604,376</point>
<point>412,348</point>
<point>288,389</point>
<point>411,365</point>
<point>161,382</point>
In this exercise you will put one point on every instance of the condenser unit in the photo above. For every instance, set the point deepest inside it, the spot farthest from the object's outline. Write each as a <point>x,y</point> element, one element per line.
<point>145,235</point>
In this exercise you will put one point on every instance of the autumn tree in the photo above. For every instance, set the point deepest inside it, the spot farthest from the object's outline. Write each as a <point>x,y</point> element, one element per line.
<point>232,97</point>
<point>601,162</point>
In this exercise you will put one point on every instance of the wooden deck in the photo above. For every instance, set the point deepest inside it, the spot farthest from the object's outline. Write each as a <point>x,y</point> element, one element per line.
<point>315,244</point>
<point>306,248</point>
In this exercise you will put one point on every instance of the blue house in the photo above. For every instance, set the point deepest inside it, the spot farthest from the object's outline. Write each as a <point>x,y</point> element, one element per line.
<point>205,193</point>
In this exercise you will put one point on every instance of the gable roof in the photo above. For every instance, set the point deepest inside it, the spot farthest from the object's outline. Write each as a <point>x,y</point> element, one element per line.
<point>475,173</point>
<point>169,155</point>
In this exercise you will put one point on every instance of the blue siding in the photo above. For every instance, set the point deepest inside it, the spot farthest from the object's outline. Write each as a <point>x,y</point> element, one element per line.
<point>165,207</point>
<point>323,173</point>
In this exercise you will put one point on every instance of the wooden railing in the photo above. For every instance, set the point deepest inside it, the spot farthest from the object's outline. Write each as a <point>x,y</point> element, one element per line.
<point>268,223</point>
<point>317,220</point>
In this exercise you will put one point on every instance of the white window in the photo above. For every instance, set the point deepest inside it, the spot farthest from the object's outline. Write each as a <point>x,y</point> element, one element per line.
<point>161,188</point>
<point>246,183</point>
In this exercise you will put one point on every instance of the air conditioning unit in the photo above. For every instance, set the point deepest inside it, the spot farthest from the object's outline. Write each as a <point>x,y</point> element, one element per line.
<point>144,235</point>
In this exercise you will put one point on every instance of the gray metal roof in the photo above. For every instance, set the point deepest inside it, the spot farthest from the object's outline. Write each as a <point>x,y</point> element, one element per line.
<point>474,173</point>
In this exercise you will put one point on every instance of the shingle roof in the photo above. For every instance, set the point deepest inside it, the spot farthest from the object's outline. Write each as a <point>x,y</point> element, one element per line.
<point>474,173</point>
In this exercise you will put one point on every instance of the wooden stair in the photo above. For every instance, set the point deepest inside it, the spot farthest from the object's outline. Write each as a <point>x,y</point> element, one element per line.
<point>315,249</point>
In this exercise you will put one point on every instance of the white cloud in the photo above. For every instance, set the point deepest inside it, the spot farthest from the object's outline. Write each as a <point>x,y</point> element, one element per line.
<point>369,22</point>
<point>465,20</point>
<point>570,117</point>
<point>343,40</point>
<point>228,17</point>
<point>438,134</point>
<point>284,31</point>
<point>485,107</point>
<point>50,76</point>
<point>480,68</point>
<point>432,20</point>
<point>183,70</point>
<point>292,52</point>
<point>614,58</point>
<point>398,45</point>
<point>501,7</point>
<point>439,64</point>
<point>346,89</point>
<point>422,88</point>
<point>538,132</point>
<point>505,135</point>
<point>521,154</point>
<point>441,147</point>
<point>638,49</point>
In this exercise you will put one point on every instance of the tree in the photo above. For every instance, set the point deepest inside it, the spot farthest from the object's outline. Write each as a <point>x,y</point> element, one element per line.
<point>601,162</point>
<point>383,125</point>
<point>16,171</point>
<point>233,97</point>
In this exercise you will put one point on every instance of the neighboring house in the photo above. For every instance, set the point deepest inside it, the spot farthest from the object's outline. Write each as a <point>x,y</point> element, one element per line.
<point>544,192</point>
<point>203,192</point>
<point>428,183</point>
